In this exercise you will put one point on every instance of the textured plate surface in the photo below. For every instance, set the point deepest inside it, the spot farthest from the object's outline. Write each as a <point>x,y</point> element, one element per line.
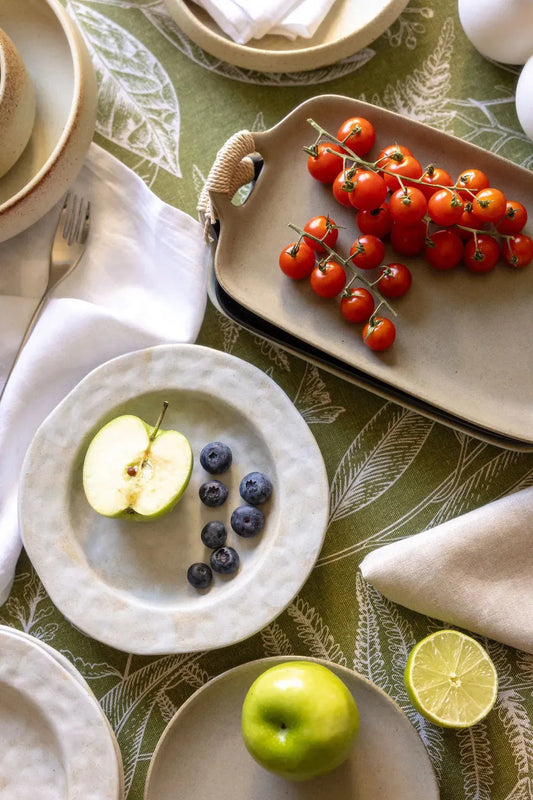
<point>53,734</point>
<point>124,583</point>
<point>460,336</point>
<point>204,737</point>
<point>349,26</point>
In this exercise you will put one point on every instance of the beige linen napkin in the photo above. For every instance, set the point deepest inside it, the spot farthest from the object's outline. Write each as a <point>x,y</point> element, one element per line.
<point>475,571</point>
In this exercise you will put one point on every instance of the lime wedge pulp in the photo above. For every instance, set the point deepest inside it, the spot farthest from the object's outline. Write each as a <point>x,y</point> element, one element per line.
<point>451,680</point>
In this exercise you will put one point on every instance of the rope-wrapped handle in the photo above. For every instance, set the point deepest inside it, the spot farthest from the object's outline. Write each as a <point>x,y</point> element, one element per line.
<point>231,170</point>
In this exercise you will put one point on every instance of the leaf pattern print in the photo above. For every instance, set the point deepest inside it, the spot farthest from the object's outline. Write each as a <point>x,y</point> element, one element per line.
<point>275,641</point>
<point>315,634</point>
<point>313,401</point>
<point>408,27</point>
<point>137,104</point>
<point>369,658</point>
<point>476,761</point>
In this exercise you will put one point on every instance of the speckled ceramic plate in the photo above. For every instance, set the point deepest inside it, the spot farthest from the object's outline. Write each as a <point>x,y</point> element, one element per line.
<point>203,743</point>
<point>53,735</point>
<point>124,583</point>
<point>349,26</point>
<point>461,346</point>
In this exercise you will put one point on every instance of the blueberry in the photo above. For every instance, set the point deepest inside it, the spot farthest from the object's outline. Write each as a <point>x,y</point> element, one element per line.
<point>225,560</point>
<point>255,488</point>
<point>199,575</point>
<point>216,457</point>
<point>247,521</point>
<point>214,534</point>
<point>213,493</point>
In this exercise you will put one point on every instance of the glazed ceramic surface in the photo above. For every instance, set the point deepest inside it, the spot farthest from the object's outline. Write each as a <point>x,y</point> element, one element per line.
<point>457,349</point>
<point>61,71</point>
<point>349,26</point>
<point>124,583</point>
<point>204,738</point>
<point>17,104</point>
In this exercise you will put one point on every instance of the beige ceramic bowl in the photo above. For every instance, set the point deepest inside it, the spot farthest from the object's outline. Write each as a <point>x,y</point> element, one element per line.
<point>17,104</point>
<point>60,68</point>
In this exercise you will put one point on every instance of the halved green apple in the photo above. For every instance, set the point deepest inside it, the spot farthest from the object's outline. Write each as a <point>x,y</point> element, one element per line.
<point>136,471</point>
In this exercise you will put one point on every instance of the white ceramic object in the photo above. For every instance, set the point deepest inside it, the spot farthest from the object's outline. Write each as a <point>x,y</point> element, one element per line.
<point>524,97</point>
<point>388,760</point>
<point>457,350</point>
<point>348,27</point>
<point>53,735</point>
<point>500,29</point>
<point>62,74</point>
<point>17,104</point>
<point>124,583</point>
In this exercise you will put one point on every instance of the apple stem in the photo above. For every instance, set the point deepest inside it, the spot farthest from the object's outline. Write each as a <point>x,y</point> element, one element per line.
<point>159,420</point>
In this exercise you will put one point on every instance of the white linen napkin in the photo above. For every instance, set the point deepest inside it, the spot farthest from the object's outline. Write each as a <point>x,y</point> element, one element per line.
<point>142,281</point>
<point>475,571</point>
<point>243,20</point>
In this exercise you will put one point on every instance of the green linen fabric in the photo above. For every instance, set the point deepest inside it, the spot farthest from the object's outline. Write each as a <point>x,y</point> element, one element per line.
<point>165,109</point>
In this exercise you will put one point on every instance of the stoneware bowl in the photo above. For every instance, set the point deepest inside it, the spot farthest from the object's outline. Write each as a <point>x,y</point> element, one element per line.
<point>60,68</point>
<point>17,104</point>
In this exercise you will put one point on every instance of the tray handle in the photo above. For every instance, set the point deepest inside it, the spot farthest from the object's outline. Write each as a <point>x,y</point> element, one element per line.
<point>232,168</point>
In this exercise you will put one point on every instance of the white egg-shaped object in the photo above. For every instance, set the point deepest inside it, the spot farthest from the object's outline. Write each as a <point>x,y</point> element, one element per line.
<point>500,29</point>
<point>524,97</point>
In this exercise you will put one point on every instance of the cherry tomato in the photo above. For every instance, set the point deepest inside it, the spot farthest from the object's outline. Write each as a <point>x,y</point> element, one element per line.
<point>433,179</point>
<point>370,190</point>
<point>481,253</point>
<point>408,241</point>
<point>379,333</point>
<point>408,205</point>
<point>358,134</point>
<point>518,250</point>
<point>357,304</point>
<point>297,260</point>
<point>394,152</point>
<point>471,181</point>
<point>367,251</point>
<point>408,167</point>
<point>377,221</point>
<point>325,166</point>
<point>489,204</point>
<point>328,279</point>
<point>394,280</point>
<point>343,186</point>
<point>514,219</point>
<point>468,220</point>
<point>445,207</point>
<point>444,249</point>
<point>322,228</point>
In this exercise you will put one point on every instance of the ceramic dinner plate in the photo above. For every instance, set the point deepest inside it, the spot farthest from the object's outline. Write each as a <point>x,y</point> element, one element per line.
<point>349,26</point>
<point>54,735</point>
<point>461,346</point>
<point>202,747</point>
<point>124,583</point>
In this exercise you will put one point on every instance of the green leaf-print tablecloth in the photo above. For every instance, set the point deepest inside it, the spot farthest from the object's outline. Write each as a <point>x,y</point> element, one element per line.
<point>165,109</point>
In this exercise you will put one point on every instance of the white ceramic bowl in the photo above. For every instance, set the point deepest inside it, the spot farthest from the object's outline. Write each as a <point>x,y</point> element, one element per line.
<point>17,104</point>
<point>63,78</point>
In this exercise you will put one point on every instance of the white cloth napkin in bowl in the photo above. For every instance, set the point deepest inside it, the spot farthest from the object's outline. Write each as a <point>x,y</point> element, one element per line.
<point>243,20</point>
<point>475,571</point>
<point>141,281</point>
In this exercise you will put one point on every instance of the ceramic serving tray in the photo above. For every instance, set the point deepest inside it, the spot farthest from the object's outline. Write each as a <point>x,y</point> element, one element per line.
<point>461,350</point>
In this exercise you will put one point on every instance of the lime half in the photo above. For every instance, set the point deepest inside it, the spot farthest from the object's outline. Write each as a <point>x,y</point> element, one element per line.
<point>451,679</point>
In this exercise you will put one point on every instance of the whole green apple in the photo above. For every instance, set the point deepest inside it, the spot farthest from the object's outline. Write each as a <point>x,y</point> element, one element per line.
<point>299,720</point>
<point>136,471</point>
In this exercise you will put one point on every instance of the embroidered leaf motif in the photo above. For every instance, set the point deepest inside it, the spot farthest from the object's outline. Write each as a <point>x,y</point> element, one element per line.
<point>315,633</point>
<point>275,641</point>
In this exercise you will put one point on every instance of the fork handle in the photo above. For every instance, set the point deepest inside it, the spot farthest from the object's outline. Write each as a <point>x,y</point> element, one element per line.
<point>29,328</point>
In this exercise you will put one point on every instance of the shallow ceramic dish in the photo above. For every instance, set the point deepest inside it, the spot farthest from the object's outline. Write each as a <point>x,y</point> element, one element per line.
<point>457,350</point>
<point>124,583</point>
<point>53,735</point>
<point>349,26</point>
<point>17,104</point>
<point>62,74</point>
<point>204,737</point>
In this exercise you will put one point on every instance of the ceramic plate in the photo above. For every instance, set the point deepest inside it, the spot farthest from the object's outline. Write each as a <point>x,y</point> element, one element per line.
<point>349,26</point>
<point>457,348</point>
<point>203,743</point>
<point>124,583</point>
<point>53,735</point>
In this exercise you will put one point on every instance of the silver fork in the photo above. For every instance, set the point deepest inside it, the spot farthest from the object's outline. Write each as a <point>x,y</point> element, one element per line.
<point>67,248</point>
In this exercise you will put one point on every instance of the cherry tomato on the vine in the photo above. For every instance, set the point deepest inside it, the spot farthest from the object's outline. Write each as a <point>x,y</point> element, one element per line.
<point>325,166</point>
<point>328,279</point>
<point>514,219</point>
<point>517,251</point>
<point>481,253</point>
<point>394,152</point>
<point>408,167</point>
<point>358,134</point>
<point>357,304</point>
<point>297,260</point>
<point>343,186</point>
<point>467,220</point>
<point>434,178</point>
<point>379,333</point>
<point>367,251</point>
<point>377,221</point>
<point>322,228</point>
<point>408,241</point>
<point>444,249</point>
<point>470,181</point>
<point>489,204</point>
<point>370,190</point>
<point>395,280</point>
<point>408,205</point>
<point>445,207</point>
